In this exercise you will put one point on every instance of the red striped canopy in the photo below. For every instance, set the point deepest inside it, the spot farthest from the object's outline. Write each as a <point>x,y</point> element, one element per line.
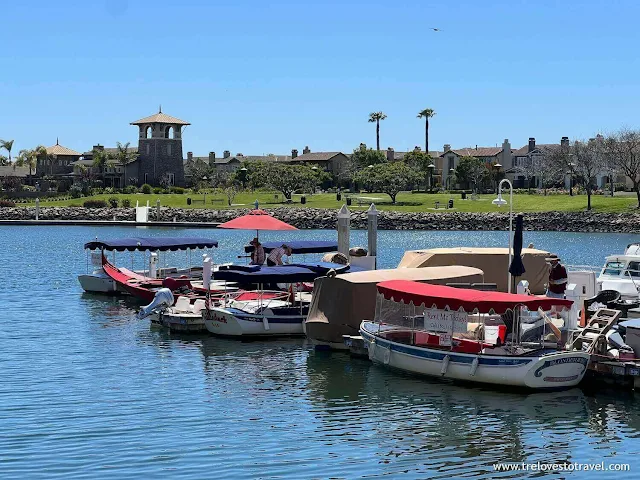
<point>257,220</point>
<point>406,291</point>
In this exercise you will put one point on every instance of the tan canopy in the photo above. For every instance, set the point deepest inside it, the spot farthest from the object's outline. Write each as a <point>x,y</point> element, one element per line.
<point>494,262</point>
<point>339,304</point>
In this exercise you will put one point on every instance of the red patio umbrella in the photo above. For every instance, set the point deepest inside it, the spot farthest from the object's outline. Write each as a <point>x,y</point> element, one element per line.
<point>257,220</point>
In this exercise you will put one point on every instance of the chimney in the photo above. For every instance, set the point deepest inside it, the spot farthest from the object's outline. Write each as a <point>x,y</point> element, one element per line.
<point>212,158</point>
<point>306,150</point>
<point>391,154</point>
<point>363,147</point>
<point>446,147</point>
<point>189,155</point>
<point>294,153</point>
<point>532,144</point>
<point>599,137</point>
<point>98,148</point>
<point>476,147</point>
<point>417,149</point>
<point>564,142</point>
<point>226,154</point>
<point>507,159</point>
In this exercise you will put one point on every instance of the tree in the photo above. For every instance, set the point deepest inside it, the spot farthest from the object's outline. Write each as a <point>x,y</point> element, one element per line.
<point>419,161</point>
<point>363,157</point>
<point>287,178</point>
<point>100,159</point>
<point>27,158</point>
<point>472,171</point>
<point>427,113</point>
<point>376,117</point>
<point>390,178</point>
<point>588,158</point>
<point>623,150</point>
<point>123,156</point>
<point>42,155</point>
<point>228,185</point>
<point>7,145</point>
<point>198,169</point>
<point>3,160</point>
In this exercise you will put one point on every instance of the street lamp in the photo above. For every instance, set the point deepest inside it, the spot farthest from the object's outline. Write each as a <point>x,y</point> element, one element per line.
<point>369,166</point>
<point>500,202</point>
<point>244,176</point>
<point>570,172</point>
<point>497,166</point>
<point>449,177</point>
<point>205,179</point>
<point>431,167</point>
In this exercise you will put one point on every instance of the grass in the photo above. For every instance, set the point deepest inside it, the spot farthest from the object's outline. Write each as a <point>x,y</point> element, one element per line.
<point>405,202</point>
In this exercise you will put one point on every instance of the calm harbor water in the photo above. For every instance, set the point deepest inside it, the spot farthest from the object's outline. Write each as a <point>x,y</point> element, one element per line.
<point>88,391</point>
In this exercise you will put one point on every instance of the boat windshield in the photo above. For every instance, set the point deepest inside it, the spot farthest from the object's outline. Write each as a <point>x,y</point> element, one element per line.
<point>634,269</point>
<point>613,268</point>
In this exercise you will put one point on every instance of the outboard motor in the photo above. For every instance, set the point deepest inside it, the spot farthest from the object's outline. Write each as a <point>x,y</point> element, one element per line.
<point>163,299</point>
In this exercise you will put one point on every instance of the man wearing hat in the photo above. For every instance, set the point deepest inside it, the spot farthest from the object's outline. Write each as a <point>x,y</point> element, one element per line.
<point>257,255</point>
<point>557,277</point>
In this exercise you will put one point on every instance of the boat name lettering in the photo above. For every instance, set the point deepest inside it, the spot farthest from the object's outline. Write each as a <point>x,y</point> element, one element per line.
<point>559,361</point>
<point>445,321</point>
<point>560,379</point>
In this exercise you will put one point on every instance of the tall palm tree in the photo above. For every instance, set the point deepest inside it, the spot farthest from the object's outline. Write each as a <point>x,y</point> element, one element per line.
<point>27,158</point>
<point>7,145</point>
<point>124,156</point>
<point>376,117</point>
<point>41,153</point>
<point>427,113</point>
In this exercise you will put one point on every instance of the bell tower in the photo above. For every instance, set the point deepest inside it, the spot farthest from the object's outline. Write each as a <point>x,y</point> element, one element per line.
<point>160,149</point>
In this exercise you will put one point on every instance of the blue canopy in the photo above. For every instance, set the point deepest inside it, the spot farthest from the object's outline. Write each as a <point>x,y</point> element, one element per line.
<point>295,272</point>
<point>152,244</point>
<point>299,246</point>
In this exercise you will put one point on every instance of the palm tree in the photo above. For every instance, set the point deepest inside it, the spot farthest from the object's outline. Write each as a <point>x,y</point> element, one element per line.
<point>41,153</point>
<point>27,158</point>
<point>7,145</point>
<point>427,113</point>
<point>376,117</point>
<point>124,156</point>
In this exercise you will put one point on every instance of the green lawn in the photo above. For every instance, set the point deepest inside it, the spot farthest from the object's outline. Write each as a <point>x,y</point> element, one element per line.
<point>407,202</point>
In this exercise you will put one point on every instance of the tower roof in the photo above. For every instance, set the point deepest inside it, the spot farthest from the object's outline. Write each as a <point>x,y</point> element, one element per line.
<point>160,118</point>
<point>58,149</point>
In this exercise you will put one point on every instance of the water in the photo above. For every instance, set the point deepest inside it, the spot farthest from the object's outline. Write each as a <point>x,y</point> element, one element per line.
<point>88,391</point>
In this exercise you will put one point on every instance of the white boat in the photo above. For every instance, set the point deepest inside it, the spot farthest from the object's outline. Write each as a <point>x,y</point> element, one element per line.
<point>622,273</point>
<point>425,329</point>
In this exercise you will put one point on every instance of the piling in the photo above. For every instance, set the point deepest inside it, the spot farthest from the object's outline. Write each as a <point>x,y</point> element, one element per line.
<point>344,219</point>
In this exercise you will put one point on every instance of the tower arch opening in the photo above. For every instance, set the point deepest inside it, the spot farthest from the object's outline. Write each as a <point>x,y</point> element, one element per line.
<point>169,132</point>
<point>148,132</point>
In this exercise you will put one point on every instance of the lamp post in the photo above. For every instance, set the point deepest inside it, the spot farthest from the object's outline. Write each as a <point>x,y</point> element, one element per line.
<point>244,177</point>
<point>451,172</point>
<point>499,202</point>
<point>205,179</point>
<point>431,167</point>
<point>570,172</point>
<point>497,168</point>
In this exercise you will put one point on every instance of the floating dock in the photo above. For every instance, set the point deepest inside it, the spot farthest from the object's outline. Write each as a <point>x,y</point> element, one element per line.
<point>113,223</point>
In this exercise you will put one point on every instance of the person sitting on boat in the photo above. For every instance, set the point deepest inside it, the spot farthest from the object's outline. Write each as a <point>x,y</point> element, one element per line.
<point>257,255</point>
<point>557,278</point>
<point>275,256</point>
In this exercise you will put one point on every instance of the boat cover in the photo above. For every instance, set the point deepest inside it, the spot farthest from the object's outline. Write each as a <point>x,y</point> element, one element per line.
<point>494,262</point>
<point>299,246</point>
<point>289,273</point>
<point>442,297</point>
<point>152,244</point>
<point>339,304</point>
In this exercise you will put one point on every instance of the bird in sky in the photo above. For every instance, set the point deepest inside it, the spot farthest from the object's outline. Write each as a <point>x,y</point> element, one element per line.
<point>435,29</point>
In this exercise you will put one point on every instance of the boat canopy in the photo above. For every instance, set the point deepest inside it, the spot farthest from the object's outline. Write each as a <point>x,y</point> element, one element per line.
<point>442,297</point>
<point>152,244</point>
<point>294,272</point>
<point>299,246</point>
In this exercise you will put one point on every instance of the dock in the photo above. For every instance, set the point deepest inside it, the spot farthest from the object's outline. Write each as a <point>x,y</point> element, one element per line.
<point>112,223</point>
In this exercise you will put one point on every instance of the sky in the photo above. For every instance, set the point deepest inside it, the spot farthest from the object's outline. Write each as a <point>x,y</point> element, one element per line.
<point>261,77</point>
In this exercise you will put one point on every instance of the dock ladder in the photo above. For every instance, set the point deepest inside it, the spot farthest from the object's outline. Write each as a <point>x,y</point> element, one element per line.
<point>592,338</point>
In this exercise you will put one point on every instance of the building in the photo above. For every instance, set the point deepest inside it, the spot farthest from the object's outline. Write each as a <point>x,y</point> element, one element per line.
<point>112,174</point>
<point>330,162</point>
<point>58,161</point>
<point>499,156</point>
<point>159,152</point>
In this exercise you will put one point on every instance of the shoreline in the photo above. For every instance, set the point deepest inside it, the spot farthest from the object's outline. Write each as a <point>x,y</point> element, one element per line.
<point>312,218</point>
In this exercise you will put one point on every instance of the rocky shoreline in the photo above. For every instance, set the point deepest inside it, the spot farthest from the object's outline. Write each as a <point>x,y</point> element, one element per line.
<point>306,218</point>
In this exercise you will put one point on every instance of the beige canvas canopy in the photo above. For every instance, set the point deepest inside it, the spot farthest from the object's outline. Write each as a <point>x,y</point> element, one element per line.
<point>494,262</point>
<point>340,303</point>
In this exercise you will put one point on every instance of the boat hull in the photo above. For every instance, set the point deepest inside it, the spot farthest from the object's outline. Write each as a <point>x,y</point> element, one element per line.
<point>236,323</point>
<point>179,322</point>
<point>98,283</point>
<point>552,371</point>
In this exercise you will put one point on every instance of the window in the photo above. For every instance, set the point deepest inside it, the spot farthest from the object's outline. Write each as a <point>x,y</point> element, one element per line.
<point>633,270</point>
<point>146,178</point>
<point>613,268</point>
<point>451,161</point>
<point>169,132</point>
<point>172,178</point>
<point>169,149</point>
<point>148,149</point>
<point>148,132</point>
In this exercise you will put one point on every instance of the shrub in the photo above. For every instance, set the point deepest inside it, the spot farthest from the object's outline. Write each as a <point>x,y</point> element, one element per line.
<point>126,203</point>
<point>94,204</point>
<point>7,203</point>
<point>63,187</point>
<point>108,190</point>
<point>130,189</point>
<point>76,191</point>
<point>178,190</point>
<point>146,189</point>
<point>157,190</point>
<point>113,202</point>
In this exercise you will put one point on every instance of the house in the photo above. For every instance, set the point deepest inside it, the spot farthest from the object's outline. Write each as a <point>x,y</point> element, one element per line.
<point>112,174</point>
<point>58,161</point>
<point>330,162</point>
<point>498,156</point>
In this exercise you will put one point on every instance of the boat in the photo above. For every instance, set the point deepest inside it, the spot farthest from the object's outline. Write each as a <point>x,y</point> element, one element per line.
<point>340,303</point>
<point>266,312</point>
<point>100,282</point>
<point>622,273</point>
<point>430,330</point>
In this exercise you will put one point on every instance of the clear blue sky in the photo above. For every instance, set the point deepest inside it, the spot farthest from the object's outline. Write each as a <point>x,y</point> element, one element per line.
<point>265,77</point>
